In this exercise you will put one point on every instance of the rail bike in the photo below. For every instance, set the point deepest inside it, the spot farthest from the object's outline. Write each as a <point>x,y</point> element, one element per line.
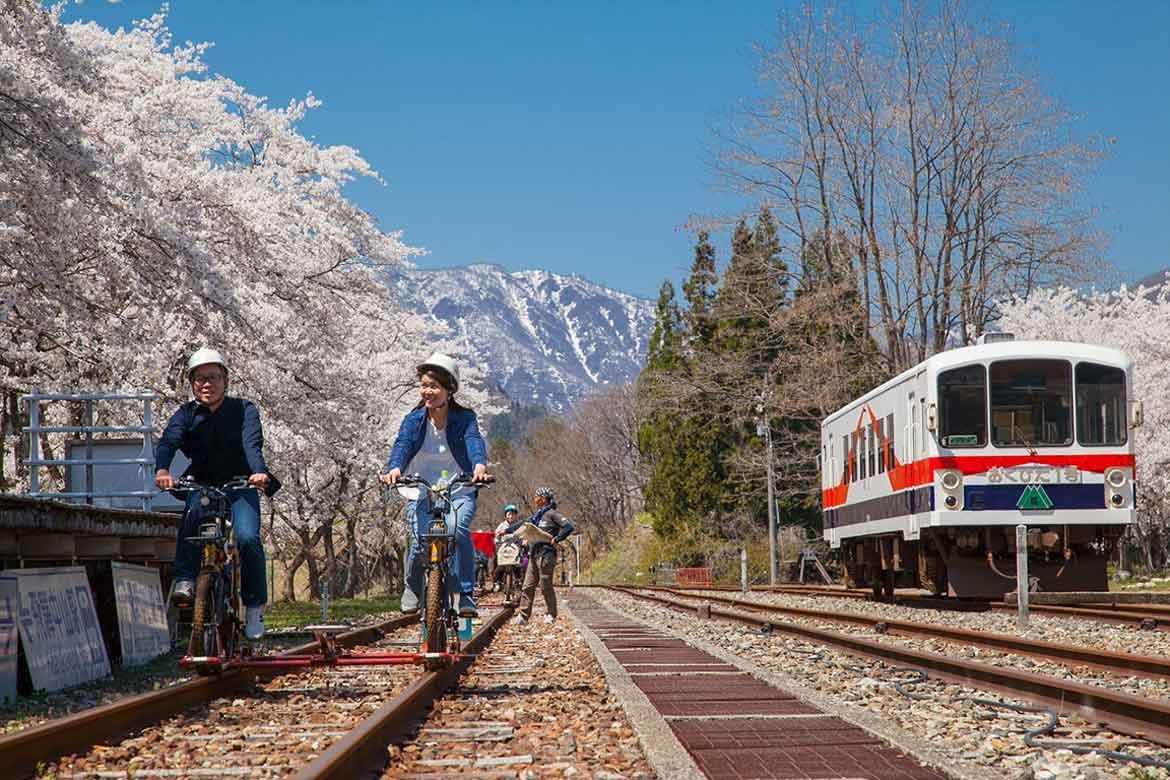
<point>217,642</point>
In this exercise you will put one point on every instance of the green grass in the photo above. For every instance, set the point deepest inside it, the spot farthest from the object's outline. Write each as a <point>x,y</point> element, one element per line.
<point>294,614</point>
<point>624,560</point>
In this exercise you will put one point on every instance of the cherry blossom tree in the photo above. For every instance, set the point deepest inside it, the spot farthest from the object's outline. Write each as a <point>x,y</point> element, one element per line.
<point>149,206</point>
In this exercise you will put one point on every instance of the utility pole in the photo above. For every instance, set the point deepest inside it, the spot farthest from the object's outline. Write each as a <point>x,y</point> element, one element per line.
<point>764,428</point>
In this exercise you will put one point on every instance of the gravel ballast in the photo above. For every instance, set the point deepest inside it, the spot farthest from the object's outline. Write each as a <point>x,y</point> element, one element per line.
<point>973,737</point>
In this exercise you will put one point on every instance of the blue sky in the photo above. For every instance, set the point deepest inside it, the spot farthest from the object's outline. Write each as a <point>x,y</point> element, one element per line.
<point>569,136</point>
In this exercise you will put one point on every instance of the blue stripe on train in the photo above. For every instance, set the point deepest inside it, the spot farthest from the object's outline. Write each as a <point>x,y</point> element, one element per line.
<point>978,497</point>
<point>975,498</point>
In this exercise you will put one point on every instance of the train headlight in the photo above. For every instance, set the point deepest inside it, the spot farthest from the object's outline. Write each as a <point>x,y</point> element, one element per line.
<point>951,483</point>
<point>1116,477</point>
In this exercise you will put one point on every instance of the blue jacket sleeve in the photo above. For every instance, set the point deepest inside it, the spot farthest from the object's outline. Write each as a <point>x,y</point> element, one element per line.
<point>566,530</point>
<point>254,439</point>
<point>476,449</point>
<point>171,440</point>
<point>397,459</point>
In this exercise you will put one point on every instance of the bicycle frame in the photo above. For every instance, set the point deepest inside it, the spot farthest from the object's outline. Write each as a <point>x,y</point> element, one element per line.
<point>215,637</point>
<point>442,627</point>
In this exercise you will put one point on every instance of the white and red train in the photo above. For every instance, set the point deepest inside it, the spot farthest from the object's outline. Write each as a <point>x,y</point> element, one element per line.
<point>925,478</point>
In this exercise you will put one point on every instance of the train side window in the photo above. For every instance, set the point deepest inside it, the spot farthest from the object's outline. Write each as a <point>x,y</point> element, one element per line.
<point>879,435</point>
<point>870,449</point>
<point>891,458</point>
<point>853,456</point>
<point>844,460</point>
<point>1101,408</point>
<point>861,454</point>
<point>962,401</point>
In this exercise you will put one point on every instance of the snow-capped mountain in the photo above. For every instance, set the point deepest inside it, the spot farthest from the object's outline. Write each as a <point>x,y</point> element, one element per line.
<point>545,339</point>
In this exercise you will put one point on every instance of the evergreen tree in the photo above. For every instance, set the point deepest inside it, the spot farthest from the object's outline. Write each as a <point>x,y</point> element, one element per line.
<point>663,353</point>
<point>699,291</point>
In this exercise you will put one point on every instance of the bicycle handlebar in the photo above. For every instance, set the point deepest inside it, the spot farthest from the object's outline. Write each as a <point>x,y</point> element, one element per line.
<point>417,480</point>
<point>188,485</point>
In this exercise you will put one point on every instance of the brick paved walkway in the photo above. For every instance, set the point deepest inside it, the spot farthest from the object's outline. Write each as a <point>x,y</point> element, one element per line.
<point>735,726</point>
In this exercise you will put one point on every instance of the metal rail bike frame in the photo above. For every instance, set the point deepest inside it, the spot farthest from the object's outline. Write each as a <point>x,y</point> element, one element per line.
<point>327,652</point>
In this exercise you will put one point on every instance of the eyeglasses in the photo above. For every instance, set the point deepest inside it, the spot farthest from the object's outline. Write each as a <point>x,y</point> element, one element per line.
<point>207,379</point>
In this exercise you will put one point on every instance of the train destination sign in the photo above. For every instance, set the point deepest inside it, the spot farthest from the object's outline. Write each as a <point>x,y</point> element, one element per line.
<point>1024,475</point>
<point>58,626</point>
<point>142,617</point>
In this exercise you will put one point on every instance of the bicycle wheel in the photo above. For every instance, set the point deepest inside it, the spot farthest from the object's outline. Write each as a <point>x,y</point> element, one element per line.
<point>204,633</point>
<point>509,585</point>
<point>228,630</point>
<point>436,626</point>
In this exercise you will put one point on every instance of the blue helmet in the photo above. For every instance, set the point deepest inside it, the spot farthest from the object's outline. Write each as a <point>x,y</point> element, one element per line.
<point>511,508</point>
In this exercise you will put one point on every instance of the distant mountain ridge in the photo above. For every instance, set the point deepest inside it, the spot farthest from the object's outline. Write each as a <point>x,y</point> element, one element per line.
<point>544,338</point>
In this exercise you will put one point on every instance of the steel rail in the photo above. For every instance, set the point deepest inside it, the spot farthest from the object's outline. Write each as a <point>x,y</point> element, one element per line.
<point>77,733</point>
<point>363,749</point>
<point>1117,663</point>
<point>1144,718</point>
<point>1123,614</point>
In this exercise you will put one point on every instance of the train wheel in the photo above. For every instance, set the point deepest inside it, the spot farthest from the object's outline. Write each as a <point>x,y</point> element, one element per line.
<point>887,582</point>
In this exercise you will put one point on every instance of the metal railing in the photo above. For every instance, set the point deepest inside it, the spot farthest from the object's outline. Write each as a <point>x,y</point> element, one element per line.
<point>145,462</point>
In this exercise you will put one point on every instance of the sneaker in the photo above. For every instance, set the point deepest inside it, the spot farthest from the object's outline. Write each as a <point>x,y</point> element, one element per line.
<point>254,622</point>
<point>549,618</point>
<point>521,620</point>
<point>467,606</point>
<point>183,593</point>
<point>409,600</point>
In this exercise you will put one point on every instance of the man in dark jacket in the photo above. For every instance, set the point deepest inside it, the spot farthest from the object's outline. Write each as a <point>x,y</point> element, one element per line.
<point>223,439</point>
<point>542,557</point>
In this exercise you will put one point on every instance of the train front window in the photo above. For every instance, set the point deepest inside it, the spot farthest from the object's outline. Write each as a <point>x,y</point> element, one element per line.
<point>1031,403</point>
<point>962,398</point>
<point>1101,409</point>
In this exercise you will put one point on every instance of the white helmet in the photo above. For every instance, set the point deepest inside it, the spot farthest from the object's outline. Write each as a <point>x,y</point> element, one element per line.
<point>445,363</point>
<point>204,356</point>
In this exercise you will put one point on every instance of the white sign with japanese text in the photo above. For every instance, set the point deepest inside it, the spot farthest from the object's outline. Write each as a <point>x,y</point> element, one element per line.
<point>8,644</point>
<point>142,617</point>
<point>58,627</point>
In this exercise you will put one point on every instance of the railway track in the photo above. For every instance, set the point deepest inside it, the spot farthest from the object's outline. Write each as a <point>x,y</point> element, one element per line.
<point>1146,718</point>
<point>1152,617</point>
<point>1153,667</point>
<point>325,722</point>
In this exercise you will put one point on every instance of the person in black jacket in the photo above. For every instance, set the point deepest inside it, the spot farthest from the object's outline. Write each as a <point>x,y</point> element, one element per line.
<point>542,557</point>
<point>223,438</point>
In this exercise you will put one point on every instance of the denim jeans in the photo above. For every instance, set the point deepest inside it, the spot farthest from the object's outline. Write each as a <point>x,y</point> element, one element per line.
<point>418,517</point>
<point>245,530</point>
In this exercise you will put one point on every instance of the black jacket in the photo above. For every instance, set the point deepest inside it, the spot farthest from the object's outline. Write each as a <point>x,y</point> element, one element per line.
<point>221,446</point>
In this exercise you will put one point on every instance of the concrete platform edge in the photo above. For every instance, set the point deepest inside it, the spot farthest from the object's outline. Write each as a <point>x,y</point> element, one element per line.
<point>895,736</point>
<point>666,755</point>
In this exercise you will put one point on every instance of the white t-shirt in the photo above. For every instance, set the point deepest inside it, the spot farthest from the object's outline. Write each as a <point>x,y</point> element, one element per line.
<point>434,457</point>
<point>503,526</point>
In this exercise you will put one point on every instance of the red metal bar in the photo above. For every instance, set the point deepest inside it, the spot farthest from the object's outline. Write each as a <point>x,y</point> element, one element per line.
<point>317,659</point>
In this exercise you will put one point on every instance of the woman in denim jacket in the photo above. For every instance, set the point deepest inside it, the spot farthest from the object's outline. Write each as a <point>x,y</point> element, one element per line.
<point>439,436</point>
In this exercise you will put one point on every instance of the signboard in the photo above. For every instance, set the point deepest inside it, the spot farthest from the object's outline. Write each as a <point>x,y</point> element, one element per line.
<point>142,617</point>
<point>120,478</point>
<point>8,645</point>
<point>58,627</point>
